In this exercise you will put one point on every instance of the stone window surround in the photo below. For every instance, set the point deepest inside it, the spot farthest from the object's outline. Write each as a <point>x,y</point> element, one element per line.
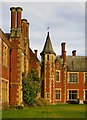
<point>60,94</point>
<point>72,90</point>
<point>77,77</point>
<point>59,75</point>
<point>3,79</point>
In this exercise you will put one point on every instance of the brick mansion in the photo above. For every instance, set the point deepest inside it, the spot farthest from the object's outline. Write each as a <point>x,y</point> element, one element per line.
<point>64,77</point>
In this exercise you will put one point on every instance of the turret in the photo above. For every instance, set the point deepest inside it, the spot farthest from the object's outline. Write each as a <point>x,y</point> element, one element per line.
<point>48,71</point>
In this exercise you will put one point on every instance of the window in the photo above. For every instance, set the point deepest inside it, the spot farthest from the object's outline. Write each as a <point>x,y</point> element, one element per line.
<point>47,57</point>
<point>85,94</point>
<point>73,94</point>
<point>73,77</point>
<point>4,91</point>
<point>85,78</point>
<point>57,76</point>
<point>5,55</point>
<point>57,94</point>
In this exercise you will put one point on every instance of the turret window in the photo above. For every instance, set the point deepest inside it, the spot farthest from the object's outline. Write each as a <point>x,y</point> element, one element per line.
<point>47,57</point>
<point>57,76</point>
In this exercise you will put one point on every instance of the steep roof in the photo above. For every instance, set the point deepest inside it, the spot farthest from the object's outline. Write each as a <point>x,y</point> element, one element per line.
<point>75,63</point>
<point>32,56</point>
<point>48,46</point>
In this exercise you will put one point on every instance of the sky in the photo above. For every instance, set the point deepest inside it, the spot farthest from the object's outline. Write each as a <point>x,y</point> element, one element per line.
<point>66,22</point>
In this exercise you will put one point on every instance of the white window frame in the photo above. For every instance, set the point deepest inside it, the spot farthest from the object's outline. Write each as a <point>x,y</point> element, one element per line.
<point>84,95</point>
<point>59,75</point>
<point>5,54</point>
<point>2,79</point>
<point>84,77</point>
<point>60,94</point>
<point>72,90</point>
<point>77,77</point>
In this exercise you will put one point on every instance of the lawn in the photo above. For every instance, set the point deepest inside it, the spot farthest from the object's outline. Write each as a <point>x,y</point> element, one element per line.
<point>51,111</point>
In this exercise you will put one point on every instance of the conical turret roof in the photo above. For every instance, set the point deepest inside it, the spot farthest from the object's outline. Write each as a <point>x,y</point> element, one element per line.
<point>48,46</point>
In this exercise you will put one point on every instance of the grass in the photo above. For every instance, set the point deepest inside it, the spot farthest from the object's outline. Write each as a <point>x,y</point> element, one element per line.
<point>51,111</point>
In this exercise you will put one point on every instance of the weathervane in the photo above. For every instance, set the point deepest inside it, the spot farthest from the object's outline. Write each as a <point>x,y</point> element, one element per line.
<point>48,28</point>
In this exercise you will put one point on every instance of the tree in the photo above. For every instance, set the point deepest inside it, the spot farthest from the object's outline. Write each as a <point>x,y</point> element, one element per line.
<point>31,86</point>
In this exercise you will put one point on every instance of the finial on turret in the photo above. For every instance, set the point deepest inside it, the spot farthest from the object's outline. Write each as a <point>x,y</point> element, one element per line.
<point>48,31</point>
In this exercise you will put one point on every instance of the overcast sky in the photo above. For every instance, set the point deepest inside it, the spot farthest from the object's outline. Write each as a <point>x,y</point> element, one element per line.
<point>66,22</point>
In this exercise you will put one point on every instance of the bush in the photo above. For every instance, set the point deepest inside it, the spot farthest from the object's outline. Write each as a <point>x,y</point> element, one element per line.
<point>44,101</point>
<point>19,107</point>
<point>38,102</point>
<point>31,87</point>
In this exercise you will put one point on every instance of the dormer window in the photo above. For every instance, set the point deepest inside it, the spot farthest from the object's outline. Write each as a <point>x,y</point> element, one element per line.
<point>57,76</point>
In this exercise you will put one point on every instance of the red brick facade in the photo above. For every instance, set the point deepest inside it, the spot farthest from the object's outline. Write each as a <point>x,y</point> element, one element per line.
<point>16,58</point>
<point>64,77</point>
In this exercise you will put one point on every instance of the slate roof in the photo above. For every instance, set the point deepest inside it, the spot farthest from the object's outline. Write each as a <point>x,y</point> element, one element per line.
<point>32,56</point>
<point>75,63</point>
<point>48,46</point>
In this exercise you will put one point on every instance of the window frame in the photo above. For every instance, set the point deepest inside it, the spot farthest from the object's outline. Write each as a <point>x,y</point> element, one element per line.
<point>84,96</point>
<point>7,89</point>
<point>5,54</point>
<point>59,94</point>
<point>73,81</point>
<point>59,76</point>
<point>84,77</point>
<point>72,90</point>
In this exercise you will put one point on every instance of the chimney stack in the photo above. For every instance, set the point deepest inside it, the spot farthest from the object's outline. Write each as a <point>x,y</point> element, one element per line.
<point>24,27</point>
<point>28,30</point>
<point>64,57</point>
<point>35,52</point>
<point>63,47</point>
<point>63,52</point>
<point>74,53</point>
<point>13,19</point>
<point>19,10</point>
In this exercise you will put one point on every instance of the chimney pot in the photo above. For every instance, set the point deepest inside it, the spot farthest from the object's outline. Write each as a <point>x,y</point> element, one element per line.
<point>74,53</point>
<point>36,52</point>
<point>63,47</point>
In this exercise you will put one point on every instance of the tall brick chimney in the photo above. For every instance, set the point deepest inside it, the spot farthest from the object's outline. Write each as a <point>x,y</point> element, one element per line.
<point>36,52</point>
<point>13,20</point>
<point>19,10</point>
<point>63,47</point>
<point>74,53</point>
<point>63,52</point>
<point>28,29</point>
<point>24,27</point>
<point>64,57</point>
